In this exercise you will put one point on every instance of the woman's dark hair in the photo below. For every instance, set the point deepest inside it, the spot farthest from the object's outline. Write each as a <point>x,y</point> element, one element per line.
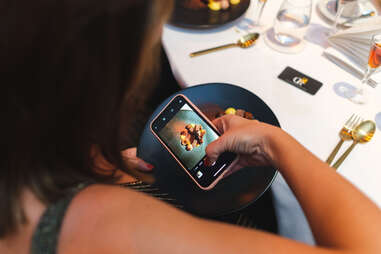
<point>66,67</point>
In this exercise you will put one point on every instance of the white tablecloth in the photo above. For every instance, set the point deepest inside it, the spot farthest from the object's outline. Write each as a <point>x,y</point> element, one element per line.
<point>313,120</point>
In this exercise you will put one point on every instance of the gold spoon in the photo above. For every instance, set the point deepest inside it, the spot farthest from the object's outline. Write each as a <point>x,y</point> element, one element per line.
<point>361,134</point>
<point>243,42</point>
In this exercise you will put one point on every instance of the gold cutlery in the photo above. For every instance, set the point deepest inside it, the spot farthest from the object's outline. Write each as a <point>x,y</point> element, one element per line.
<point>363,133</point>
<point>345,135</point>
<point>244,42</point>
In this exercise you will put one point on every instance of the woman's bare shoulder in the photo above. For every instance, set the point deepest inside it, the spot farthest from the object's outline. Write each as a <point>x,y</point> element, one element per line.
<point>99,216</point>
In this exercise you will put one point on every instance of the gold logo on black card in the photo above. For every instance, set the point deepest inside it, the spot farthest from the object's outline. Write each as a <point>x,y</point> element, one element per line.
<point>300,81</point>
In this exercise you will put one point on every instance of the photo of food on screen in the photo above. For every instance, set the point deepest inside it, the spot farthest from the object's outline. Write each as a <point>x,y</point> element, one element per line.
<point>187,135</point>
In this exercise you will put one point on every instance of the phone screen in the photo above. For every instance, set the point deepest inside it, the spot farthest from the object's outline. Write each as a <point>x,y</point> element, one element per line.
<point>186,134</point>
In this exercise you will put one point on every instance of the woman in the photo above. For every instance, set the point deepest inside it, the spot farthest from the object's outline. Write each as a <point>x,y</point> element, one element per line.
<point>68,67</point>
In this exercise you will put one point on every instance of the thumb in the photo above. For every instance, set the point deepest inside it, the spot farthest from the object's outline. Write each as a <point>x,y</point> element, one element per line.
<point>215,149</point>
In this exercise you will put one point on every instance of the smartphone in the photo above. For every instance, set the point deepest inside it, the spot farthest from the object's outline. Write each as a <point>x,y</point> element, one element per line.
<point>185,132</point>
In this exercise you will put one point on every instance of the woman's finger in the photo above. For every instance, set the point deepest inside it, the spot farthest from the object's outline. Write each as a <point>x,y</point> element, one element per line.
<point>221,123</point>
<point>133,162</point>
<point>214,149</point>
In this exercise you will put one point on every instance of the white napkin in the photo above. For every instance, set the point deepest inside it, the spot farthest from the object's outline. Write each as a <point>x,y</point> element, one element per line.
<point>349,64</point>
<point>350,47</point>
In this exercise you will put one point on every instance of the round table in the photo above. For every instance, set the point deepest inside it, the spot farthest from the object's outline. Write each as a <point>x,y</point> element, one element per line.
<point>314,121</point>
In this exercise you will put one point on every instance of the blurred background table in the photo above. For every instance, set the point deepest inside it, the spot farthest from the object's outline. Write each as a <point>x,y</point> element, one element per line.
<point>313,120</point>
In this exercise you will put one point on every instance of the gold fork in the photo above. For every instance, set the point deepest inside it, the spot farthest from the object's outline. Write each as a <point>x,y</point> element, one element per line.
<point>345,134</point>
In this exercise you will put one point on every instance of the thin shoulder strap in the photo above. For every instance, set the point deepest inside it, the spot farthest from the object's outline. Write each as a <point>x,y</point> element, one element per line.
<point>45,237</point>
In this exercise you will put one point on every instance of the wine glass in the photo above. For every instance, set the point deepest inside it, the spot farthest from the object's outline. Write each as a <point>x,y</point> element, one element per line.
<point>361,95</point>
<point>260,5</point>
<point>341,5</point>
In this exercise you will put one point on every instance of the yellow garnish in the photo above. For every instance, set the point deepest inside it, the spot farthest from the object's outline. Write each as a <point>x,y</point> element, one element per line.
<point>214,6</point>
<point>230,111</point>
<point>235,1</point>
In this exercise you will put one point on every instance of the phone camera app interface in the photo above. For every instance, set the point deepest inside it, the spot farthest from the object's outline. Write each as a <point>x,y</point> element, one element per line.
<point>187,135</point>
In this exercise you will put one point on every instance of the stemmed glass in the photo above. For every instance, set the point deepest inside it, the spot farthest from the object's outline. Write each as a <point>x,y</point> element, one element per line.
<point>260,4</point>
<point>361,95</point>
<point>341,5</point>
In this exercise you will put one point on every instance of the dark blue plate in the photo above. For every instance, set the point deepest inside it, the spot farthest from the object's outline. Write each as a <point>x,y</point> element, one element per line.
<point>232,193</point>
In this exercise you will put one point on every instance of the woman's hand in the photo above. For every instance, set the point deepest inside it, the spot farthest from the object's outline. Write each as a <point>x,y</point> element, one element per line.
<point>129,157</point>
<point>133,162</point>
<point>249,139</point>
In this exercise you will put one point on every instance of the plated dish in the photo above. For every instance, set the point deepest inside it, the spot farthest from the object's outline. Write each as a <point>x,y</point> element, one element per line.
<point>327,9</point>
<point>236,191</point>
<point>196,14</point>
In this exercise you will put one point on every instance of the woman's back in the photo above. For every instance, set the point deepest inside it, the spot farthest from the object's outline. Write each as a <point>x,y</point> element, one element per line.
<point>97,219</point>
<point>82,216</point>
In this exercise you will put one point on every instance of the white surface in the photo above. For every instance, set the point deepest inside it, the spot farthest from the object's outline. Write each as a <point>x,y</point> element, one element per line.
<point>313,120</point>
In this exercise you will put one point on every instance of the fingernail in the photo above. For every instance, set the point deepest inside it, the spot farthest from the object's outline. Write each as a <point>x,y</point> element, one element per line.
<point>149,166</point>
<point>208,162</point>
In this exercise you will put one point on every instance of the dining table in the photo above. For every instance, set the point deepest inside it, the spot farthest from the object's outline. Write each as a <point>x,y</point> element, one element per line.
<point>313,120</point>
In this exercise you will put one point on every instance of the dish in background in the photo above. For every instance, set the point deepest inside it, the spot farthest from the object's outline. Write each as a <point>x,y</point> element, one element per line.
<point>204,18</point>
<point>327,8</point>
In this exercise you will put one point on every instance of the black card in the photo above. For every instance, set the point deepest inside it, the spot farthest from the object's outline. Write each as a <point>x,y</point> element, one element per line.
<point>300,80</point>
